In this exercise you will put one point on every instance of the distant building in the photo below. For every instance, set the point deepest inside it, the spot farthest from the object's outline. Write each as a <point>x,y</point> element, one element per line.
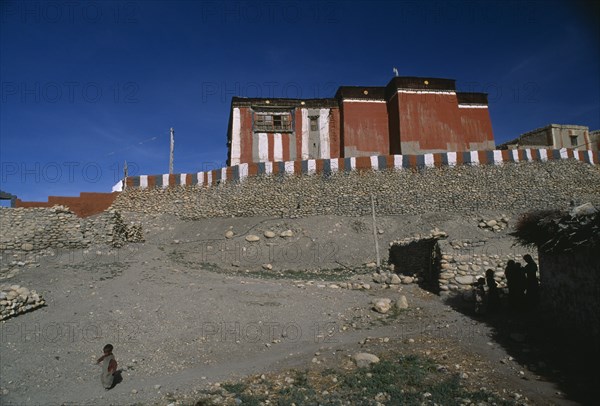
<point>556,136</point>
<point>10,197</point>
<point>595,139</point>
<point>411,115</point>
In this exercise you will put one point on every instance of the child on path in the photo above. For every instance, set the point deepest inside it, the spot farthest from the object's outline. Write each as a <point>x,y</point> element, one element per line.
<point>109,367</point>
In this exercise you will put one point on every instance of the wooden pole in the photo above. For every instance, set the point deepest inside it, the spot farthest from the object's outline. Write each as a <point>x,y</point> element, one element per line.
<point>375,232</point>
<point>171,152</point>
<point>125,173</point>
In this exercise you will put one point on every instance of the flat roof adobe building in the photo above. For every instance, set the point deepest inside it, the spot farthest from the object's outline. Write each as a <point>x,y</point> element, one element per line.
<point>556,136</point>
<point>411,115</point>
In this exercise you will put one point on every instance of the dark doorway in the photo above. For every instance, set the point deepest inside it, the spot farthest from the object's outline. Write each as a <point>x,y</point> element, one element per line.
<point>418,257</point>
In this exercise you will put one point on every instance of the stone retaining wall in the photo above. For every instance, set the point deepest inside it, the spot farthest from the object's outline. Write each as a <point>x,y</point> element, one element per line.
<point>335,165</point>
<point>510,187</point>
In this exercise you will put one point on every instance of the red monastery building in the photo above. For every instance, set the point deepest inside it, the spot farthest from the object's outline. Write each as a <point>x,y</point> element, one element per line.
<point>411,115</point>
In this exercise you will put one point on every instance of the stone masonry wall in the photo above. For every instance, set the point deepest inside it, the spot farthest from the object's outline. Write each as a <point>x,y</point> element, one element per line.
<point>510,187</point>
<point>31,229</point>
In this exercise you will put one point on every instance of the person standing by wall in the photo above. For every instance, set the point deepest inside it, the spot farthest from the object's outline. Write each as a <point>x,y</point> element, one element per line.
<point>532,293</point>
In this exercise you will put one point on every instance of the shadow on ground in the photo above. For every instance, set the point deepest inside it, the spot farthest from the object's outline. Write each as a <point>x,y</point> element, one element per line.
<point>552,352</point>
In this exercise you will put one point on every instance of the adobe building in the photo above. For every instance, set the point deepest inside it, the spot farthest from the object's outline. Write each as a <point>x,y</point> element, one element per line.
<point>411,115</point>
<point>556,136</point>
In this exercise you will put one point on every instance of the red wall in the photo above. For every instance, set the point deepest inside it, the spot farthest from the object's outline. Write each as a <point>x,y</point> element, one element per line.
<point>334,133</point>
<point>87,204</point>
<point>394,125</point>
<point>477,125</point>
<point>432,120</point>
<point>366,128</point>
<point>245,135</point>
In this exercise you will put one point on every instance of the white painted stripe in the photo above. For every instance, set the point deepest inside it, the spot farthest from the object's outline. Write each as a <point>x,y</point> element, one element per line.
<point>143,181</point>
<point>374,162</point>
<point>429,162</point>
<point>165,180</point>
<point>333,164</point>
<point>451,158</point>
<point>474,157</point>
<point>224,175</point>
<point>528,154</point>
<point>277,148</point>
<point>305,127</point>
<point>398,161</point>
<point>209,178</point>
<point>200,177</point>
<point>312,166</point>
<point>353,163</point>
<point>420,91</point>
<point>268,168</point>
<point>563,153</point>
<point>324,133</point>
<point>543,154</point>
<point>472,106</point>
<point>576,155</point>
<point>263,147</point>
<point>243,171</point>
<point>515,154</point>
<point>236,138</point>
<point>289,167</point>
<point>498,157</point>
<point>182,179</point>
<point>591,156</point>
<point>363,101</point>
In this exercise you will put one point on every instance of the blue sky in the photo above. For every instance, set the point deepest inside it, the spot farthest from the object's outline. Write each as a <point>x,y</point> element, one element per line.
<point>88,85</point>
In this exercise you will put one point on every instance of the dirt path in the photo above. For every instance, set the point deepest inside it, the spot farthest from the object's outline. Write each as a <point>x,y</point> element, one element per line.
<point>177,327</point>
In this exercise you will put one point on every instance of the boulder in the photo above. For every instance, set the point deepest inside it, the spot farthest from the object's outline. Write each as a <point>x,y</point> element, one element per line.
<point>364,359</point>
<point>465,280</point>
<point>382,305</point>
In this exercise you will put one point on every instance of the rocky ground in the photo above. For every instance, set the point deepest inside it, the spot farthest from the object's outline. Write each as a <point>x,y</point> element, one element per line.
<point>199,304</point>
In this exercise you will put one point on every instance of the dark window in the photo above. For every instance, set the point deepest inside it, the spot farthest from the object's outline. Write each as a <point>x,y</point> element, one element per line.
<point>272,122</point>
<point>314,126</point>
<point>574,142</point>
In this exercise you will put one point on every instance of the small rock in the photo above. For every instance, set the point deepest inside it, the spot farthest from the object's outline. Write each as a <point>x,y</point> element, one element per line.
<point>229,234</point>
<point>491,223</point>
<point>395,280</point>
<point>402,303</point>
<point>287,233</point>
<point>407,280</point>
<point>252,238</point>
<point>269,234</point>
<point>268,267</point>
